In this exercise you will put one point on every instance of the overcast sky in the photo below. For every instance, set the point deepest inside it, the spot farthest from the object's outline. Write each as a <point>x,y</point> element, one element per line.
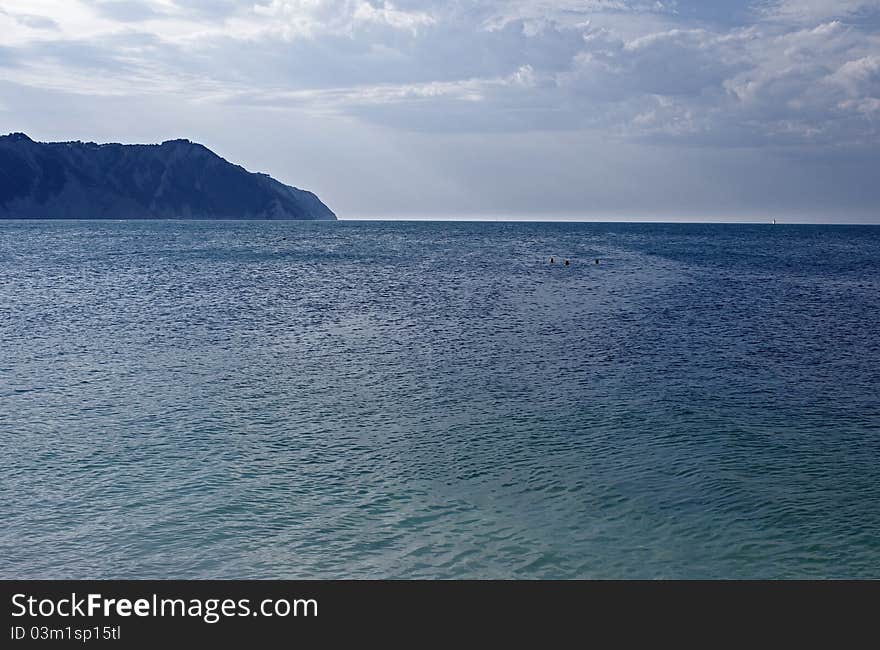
<point>565,109</point>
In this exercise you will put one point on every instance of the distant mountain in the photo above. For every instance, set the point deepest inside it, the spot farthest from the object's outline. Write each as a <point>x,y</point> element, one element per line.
<point>177,179</point>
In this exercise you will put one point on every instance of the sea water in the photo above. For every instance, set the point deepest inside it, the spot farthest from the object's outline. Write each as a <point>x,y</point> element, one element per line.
<point>409,400</point>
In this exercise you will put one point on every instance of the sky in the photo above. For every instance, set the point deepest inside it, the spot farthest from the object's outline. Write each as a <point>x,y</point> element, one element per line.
<point>735,110</point>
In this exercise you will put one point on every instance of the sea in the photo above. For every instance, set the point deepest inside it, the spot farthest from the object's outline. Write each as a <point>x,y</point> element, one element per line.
<point>196,399</point>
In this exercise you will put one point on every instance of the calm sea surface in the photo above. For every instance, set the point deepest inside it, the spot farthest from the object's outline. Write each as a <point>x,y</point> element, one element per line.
<point>372,400</point>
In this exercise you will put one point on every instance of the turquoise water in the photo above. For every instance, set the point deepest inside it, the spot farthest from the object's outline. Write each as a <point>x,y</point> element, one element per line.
<point>324,400</point>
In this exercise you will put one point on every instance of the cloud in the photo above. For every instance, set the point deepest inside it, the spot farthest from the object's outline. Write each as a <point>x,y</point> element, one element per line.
<point>36,22</point>
<point>817,10</point>
<point>791,75</point>
<point>128,10</point>
<point>30,21</point>
<point>311,18</point>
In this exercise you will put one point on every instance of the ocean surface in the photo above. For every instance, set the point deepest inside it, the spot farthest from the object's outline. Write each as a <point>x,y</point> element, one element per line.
<point>436,400</point>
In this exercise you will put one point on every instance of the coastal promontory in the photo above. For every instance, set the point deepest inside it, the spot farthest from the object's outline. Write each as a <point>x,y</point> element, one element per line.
<point>177,179</point>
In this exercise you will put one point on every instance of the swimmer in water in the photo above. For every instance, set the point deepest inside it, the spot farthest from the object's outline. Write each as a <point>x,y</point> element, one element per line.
<point>566,262</point>
<point>551,260</point>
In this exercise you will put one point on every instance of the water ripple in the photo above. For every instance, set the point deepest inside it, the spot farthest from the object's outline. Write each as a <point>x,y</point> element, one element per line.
<point>369,400</point>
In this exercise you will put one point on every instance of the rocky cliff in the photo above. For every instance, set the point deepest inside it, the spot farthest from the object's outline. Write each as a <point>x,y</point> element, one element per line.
<point>177,179</point>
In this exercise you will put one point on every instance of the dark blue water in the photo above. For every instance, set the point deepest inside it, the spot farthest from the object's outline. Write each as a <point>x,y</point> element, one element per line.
<point>314,400</point>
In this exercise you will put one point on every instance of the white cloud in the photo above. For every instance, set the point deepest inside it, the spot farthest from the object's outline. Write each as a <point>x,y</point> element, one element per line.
<point>311,18</point>
<point>859,77</point>
<point>631,68</point>
<point>817,10</point>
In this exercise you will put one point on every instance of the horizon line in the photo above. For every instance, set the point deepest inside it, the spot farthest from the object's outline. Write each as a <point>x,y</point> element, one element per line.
<point>779,221</point>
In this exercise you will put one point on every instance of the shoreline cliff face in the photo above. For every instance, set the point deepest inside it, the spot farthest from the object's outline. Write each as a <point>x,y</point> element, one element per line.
<point>177,179</point>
